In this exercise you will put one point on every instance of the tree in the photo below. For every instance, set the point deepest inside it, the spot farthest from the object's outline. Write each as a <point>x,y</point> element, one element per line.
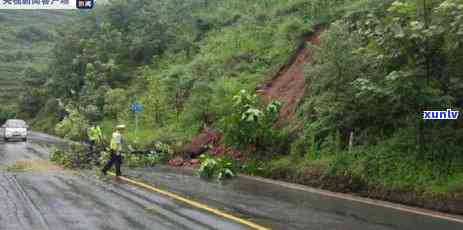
<point>74,126</point>
<point>332,100</point>
<point>33,97</point>
<point>116,102</point>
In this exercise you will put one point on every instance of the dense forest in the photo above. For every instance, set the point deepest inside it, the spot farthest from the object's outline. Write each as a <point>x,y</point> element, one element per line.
<point>197,63</point>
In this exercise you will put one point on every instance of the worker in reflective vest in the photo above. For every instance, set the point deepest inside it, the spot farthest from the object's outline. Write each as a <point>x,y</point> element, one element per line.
<point>95,136</point>
<point>95,140</point>
<point>115,146</point>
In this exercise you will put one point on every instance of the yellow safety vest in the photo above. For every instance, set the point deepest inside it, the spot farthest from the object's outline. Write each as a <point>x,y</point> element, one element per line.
<point>116,141</point>
<point>95,133</point>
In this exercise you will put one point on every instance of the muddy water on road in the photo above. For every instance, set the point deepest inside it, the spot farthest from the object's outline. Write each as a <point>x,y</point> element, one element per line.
<point>35,194</point>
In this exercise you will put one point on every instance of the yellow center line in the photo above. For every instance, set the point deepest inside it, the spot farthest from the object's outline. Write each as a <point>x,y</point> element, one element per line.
<point>193,203</point>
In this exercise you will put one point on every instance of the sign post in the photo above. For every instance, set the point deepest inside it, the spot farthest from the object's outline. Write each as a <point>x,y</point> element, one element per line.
<point>136,109</point>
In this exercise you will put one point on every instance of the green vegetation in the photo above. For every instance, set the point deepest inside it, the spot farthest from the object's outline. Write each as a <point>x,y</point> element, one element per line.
<point>196,63</point>
<point>219,169</point>
<point>159,153</point>
<point>375,76</point>
<point>248,125</point>
<point>78,156</point>
<point>74,157</point>
<point>172,56</point>
<point>26,40</point>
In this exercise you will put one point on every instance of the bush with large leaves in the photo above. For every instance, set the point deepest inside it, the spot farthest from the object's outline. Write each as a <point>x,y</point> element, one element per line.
<point>248,124</point>
<point>219,169</point>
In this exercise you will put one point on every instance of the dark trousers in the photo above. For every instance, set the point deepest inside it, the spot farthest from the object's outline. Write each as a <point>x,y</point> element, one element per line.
<point>93,153</point>
<point>91,148</point>
<point>116,160</point>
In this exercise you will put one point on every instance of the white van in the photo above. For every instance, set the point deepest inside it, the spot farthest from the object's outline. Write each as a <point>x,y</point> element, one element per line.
<point>15,129</point>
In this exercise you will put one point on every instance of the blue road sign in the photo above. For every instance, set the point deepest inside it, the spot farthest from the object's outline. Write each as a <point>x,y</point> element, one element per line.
<point>136,107</point>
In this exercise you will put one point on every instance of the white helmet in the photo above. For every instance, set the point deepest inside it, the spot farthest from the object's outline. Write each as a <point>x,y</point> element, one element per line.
<point>120,127</point>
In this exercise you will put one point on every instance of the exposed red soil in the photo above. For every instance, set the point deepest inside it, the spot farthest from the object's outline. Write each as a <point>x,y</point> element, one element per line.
<point>198,145</point>
<point>289,86</point>
<point>208,139</point>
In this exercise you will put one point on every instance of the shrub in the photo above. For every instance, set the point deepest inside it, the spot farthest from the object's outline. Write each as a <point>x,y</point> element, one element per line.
<point>220,168</point>
<point>159,153</point>
<point>50,115</point>
<point>394,163</point>
<point>254,168</point>
<point>298,149</point>
<point>75,157</point>
<point>116,102</point>
<point>304,146</point>
<point>249,125</point>
<point>74,126</point>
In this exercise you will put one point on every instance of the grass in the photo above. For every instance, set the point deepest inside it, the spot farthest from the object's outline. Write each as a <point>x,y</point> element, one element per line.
<point>392,166</point>
<point>380,167</point>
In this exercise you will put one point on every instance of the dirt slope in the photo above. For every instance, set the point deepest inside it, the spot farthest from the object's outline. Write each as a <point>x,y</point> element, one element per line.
<point>288,86</point>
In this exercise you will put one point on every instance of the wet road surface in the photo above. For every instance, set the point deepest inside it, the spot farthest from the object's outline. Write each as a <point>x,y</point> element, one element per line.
<point>281,207</point>
<point>47,197</point>
<point>57,199</point>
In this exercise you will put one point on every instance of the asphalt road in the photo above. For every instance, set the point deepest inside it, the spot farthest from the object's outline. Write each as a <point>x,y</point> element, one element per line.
<point>41,196</point>
<point>35,194</point>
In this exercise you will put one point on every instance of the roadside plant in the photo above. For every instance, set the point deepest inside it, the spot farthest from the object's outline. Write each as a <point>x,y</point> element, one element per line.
<point>164,151</point>
<point>148,159</point>
<point>254,167</point>
<point>219,168</point>
<point>159,153</point>
<point>249,124</point>
<point>75,157</point>
<point>56,155</point>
